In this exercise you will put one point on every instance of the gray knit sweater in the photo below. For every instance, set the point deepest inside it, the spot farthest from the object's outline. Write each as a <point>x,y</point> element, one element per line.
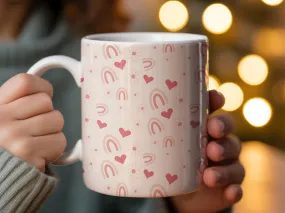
<point>23,188</point>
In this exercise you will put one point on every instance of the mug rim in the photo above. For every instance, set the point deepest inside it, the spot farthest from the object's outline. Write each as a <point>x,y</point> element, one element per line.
<point>118,38</point>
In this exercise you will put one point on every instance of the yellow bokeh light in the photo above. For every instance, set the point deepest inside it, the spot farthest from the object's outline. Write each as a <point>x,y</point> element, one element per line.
<point>272,2</point>
<point>233,96</point>
<point>257,112</point>
<point>173,15</point>
<point>217,18</point>
<point>213,83</point>
<point>253,69</point>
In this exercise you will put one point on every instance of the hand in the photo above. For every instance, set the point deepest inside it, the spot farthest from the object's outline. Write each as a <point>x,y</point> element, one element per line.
<point>29,126</point>
<point>222,179</point>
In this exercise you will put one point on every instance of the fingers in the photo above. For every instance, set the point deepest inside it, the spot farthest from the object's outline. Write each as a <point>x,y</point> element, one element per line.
<point>220,125</point>
<point>224,175</point>
<point>227,148</point>
<point>30,106</point>
<point>45,124</point>
<point>56,144</point>
<point>233,193</point>
<point>22,85</point>
<point>217,100</point>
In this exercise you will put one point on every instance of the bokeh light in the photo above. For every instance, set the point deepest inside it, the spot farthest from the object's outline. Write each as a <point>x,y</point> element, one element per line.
<point>253,69</point>
<point>217,18</point>
<point>233,96</point>
<point>257,112</point>
<point>272,2</point>
<point>173,15</point>
<point>213,83</point>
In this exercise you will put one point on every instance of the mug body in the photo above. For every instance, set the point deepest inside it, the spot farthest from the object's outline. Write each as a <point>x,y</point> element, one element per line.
<point>144,113</point>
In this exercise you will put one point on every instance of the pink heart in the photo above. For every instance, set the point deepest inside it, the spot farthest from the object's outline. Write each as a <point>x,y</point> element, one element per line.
<point>121,159</point>
<point>171,84</point>
<point>167,114</point>
<point>148,79</point>
<point>125,133</point>
<point>120,64</point>
<point>148,174</point>
<point>101,124</point>
<point>171,178</point>
<point>194,124</point>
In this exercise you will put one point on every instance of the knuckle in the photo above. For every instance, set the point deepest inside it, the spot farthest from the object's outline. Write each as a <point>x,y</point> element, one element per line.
<point>59,118</point>
<point>61,143</point>
<point>21,148</point>
<point>45,99</point>
<point>24,81</point>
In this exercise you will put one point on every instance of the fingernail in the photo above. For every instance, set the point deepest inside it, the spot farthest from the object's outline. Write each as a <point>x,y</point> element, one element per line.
<point>218,177</point>
<point>221,150</point>
<point>238,192</point>
<point>222,126</point>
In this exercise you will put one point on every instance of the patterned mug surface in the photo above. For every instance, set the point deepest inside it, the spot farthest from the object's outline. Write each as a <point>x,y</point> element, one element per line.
<point>144,112</point>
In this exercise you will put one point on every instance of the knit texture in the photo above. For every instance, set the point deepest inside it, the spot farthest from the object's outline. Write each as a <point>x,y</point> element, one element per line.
<point>23,188</point>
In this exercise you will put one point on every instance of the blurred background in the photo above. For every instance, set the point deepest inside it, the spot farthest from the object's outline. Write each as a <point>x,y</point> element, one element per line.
<point>247,52</point>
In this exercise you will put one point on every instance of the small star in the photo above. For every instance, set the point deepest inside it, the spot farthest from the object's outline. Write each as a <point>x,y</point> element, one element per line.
<point>180,100</point>
<point>179,123</point>
<point>86,120</point>
<point>87,96</point>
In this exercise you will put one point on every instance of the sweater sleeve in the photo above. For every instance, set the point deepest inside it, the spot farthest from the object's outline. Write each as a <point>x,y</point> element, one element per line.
<point>23,188</point>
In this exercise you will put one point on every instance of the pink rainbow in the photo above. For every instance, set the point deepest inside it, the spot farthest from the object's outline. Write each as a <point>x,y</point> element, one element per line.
<point>168,46</point>
<point>108,72</point>
<point>111,140</point>
<point>148,158</point>
<point>102,109</point>
<point>148,63</point>
<point>122,92</point>
<point>154,122</point>
<point>168,140</point>
<point>158,191</point>
<point>108,166</point>
<point>122,190</point>
<point>111,50</point>
<point>157,96</point>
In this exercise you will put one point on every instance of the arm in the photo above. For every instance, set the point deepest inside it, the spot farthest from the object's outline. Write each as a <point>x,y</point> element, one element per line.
<point>23,188</point>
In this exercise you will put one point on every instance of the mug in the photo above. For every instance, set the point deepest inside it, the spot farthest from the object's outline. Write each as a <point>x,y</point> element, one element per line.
<point>144,112</point>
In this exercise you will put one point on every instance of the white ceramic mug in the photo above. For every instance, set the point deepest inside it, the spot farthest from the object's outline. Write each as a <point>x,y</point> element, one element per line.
<point>144,112</point>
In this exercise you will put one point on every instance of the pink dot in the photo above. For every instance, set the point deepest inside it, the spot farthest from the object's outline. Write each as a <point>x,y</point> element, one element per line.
<point>179,123</point>
<point>133,76</point>
<point>181,140</point>
<point>182,46</point>
<point>180,100</point>
<point>87,96</point>
<point>134,53</point>
<point>95,56</point>
<point>154,142</point>
<point>154,47</point>
<point>133,171</point>
<point>88,136</point>
<point>167,59</point>
<point>108,93</point>
<point>108,187</point>
<point>134,148</point>
<point>135,191</point>
<point>189,57</point>
<point>167,153</point>
<point>184,166</point>
<point>189,150</point>
<point>86,120</point>
<point>142,108</point>
<point>95,150</point>
<point>184,73</point>
<point>137,124</point>
<point>82,80</point>
<point>90,71</point>
<point>121,107</point>
<point>135,94</point>
<point>91,164</point>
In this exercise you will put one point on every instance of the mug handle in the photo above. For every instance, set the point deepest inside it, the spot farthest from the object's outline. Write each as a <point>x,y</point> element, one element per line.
<point>74,67</point>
